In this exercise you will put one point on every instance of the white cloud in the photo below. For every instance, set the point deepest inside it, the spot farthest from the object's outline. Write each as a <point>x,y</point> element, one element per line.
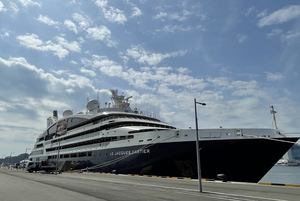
<point>69,91</point>
<point>290,35</point>
<point>114,15</point>
<point>241,38</point>
<point>32,41</point>
<point>13,7</point>
<point>86,62</point>
<point>280,16</point>
<point>84,22</point>
<point>60,72</point>
<point>183,70</point>
<point>101,3</point>
<point>142,56</point>
<point>180,16</point>
<point>88,72</point>
<point>136,12</point>
<point>202,28</point>
<point>262,14</point>
<point>27,3</point>
<point>6,34</point>
<point>160,15</point>
<point>70,25</point>
<point>47,20</point>
<point>274,76</point>
<point>2,8</point>
<point>274,32</point>
<point>249,10</point>
<point>101,33</point>
<point>111,13</point>
<point>107,66</point>
<point>176,28</point>
<point>72,46</point>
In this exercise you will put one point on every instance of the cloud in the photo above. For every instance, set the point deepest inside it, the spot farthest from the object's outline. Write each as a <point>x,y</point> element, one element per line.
<point>202,28</point>
<point>2,9</point>
<point>14,7</point>
<point>176,28</point>
<point>107,66</point>
<point>33,42</point>
<point>182,70</point>
<point>47,20</point>
<point>182,16</point>
<point>290,35</point>
<point>160,15</point>
<point>274,32</point>
<point>285,14</point>
<point>27,3</point>
<point>274,76</point>
<point>241,38</point>
<point>6,34</point>
<point>60,72</point>
<point>136,12</point>
<point>111,13</point>
<point>142,56</point>
<point>72,46</point>
<point>101,33</point>
<point>154,78</point>
<point>84,22</point>
<point>70,25</point>
<point>88,72</point>
<point>262,14</point>
<point>249,10</point>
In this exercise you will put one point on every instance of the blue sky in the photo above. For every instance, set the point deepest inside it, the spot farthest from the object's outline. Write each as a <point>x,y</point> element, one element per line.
<point>238,57</point>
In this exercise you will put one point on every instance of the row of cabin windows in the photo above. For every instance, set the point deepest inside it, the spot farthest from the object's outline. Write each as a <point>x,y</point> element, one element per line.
<point>73,155</point>
<point>101,140</point>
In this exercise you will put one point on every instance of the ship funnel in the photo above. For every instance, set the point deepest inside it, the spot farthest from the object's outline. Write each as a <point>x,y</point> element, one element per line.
<point>55,113</point>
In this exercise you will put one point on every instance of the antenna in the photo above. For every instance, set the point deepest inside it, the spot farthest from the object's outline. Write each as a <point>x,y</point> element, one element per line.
<point>272,111</point>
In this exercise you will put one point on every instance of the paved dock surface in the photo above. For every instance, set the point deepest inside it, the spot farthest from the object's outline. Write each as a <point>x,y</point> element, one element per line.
<point>24,186</point>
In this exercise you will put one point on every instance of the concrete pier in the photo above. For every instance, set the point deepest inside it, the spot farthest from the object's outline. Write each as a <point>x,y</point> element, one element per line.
<point>21,185</point>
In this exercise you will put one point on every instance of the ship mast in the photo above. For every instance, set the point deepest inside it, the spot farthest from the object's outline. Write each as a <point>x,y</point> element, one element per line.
<point>272,111</point>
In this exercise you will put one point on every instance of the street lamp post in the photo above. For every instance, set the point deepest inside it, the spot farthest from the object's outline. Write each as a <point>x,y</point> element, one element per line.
<point>197,145</point>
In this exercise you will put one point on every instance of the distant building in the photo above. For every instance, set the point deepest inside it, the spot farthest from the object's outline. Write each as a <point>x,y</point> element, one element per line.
<point>292,157</point>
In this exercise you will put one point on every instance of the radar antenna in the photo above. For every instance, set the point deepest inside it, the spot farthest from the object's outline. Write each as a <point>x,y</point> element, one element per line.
<point>272,111</point>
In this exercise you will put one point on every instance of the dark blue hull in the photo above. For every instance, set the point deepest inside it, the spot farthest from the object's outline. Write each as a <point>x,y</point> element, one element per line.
<point>246,160</point>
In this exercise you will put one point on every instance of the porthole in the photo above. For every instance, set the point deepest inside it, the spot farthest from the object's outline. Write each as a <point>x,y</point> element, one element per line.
<point>185,135</point>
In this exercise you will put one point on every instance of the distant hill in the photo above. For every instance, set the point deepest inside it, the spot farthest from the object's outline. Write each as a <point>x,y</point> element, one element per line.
<point>14,159</point>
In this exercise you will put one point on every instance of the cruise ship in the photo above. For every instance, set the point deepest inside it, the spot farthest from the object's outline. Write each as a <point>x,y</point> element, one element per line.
<point>117,139</point>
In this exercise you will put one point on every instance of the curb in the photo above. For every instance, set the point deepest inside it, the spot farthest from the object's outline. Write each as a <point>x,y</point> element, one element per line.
<point>278,184</point>
<point>187,178</point>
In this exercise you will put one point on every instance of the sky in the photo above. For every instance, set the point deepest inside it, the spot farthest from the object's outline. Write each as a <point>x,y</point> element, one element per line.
<point>237,56</point>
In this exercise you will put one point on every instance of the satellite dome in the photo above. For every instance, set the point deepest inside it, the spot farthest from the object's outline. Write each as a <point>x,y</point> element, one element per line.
<point>67,113</point>
<point>93,105</point>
